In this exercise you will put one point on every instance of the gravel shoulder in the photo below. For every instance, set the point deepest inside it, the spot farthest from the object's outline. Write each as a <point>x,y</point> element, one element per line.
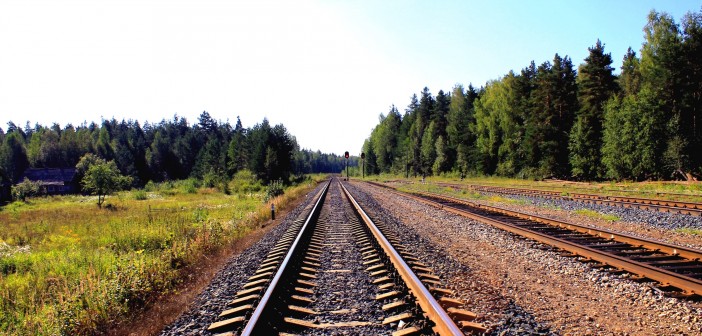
<point>567,296</point>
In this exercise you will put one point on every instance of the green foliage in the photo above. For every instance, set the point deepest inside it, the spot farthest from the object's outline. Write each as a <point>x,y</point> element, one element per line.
<point>25,189</point>
<point>274,188</point>
<point>209,150</point>
<point>428,149</point>
<point>103,178</point>
<point>596,215</point>
<point>689,231</point>
<point>632,146</point>
<point>245,182</point>
<point>13,156</point>
<point>549,121</point>
<point>140,195</point>
<point>460,136</point>
<point>188,186</point>
<point>64,270</point>
<point>596,84</point>
<point>384,139</point>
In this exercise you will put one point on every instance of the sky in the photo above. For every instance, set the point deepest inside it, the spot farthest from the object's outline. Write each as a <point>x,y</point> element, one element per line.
<point>324,69</point>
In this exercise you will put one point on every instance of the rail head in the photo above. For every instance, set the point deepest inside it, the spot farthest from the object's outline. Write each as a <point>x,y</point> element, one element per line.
<point>444,325</point>
<point>688,284</point>
<point>252,323</point>
<point>686,252</point>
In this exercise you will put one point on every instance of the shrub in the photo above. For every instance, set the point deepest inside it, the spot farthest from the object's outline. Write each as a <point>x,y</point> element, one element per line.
<point>140,195</point>
<point>188,186</point>
<point>150,186</point>
<point>25,189</point>
<point>274,189</point>
<point>245,182</point>
<point>219,181</point>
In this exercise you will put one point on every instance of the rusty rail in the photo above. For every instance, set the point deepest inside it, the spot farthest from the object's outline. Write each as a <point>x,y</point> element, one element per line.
<point>682,207</point>
<point>259,315</point>
<point>689,285</point>
<point>259,312</point>
<point>444,324</point>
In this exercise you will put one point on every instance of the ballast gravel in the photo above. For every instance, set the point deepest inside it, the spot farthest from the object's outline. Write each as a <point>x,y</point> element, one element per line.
<point>213,300</point>
<point>501,314</point>
<point>497,272</point>
<point>345,293</point>
<point>663,226</point>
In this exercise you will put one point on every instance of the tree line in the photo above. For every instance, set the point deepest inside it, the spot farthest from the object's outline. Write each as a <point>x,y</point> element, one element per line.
<point>170,150</point>
<point>552,120</point>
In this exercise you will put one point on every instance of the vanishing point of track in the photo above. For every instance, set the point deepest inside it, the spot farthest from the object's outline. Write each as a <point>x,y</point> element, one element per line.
<point>282,296</point>
<point>676,269</point>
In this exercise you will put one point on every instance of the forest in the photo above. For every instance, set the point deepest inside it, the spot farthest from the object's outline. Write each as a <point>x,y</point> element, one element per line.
<point>207,150</point>
<point>555,121</point>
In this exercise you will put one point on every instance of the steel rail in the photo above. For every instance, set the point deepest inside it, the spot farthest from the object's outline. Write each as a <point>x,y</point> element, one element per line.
<point>688,284</point>
<point>681,251</point>
<point>683,207</point>
<point>444,325</point>
<point>256,315</point>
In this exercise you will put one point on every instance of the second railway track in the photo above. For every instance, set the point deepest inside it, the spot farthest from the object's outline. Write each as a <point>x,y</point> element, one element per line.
<point>675,268</point>
<point>335,270</point>
<point>661,205</point>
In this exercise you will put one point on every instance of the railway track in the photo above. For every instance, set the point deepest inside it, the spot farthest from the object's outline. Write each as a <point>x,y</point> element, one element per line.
<point>335,270</point>
<point>680,207</point>
<point>678,270</point>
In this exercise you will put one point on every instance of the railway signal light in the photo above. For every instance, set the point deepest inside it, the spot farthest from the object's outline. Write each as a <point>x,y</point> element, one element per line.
<point>346,155</point>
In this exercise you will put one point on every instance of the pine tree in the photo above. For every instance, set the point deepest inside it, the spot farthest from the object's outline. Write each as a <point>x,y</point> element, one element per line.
<point>661,72</point>
<point>384,139</point>
<point>441,163</point>
<point>596,84</point>
<point>411,141</point>
<point>13,156</point>
<point>631,142</point>
<point>103,146</point>
<point>630,78</point>
<point>420,122</point>
<point>691,84</point>
<point>238,149</point>
<point>440,112</point>
<point>554,102</point>
<point>460,118</point>
<point>428,149</point>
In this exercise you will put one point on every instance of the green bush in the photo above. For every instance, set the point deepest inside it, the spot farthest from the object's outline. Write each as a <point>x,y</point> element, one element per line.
<point>150,186</point>
<point>140,195</point>
<point>275,188</point>
<point>25,189</point>
<point>219,181</point>
<point>245,182</point>
<point>188,186</point>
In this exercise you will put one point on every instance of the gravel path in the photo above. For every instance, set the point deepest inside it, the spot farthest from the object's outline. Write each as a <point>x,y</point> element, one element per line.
<point>213,300</point>
<point>519,284</point>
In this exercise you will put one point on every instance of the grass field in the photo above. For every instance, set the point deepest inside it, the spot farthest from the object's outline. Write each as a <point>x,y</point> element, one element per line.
<point>67,267</point>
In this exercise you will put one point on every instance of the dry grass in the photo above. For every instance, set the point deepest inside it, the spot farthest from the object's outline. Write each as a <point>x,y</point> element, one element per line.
<point>596,215</point>
<point>67,267</point>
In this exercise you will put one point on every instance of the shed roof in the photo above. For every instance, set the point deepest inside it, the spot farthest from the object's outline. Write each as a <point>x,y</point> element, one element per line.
<point>50,174</point>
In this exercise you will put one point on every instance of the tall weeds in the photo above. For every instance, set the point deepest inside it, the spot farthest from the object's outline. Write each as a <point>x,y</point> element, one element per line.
<point>69,268</point>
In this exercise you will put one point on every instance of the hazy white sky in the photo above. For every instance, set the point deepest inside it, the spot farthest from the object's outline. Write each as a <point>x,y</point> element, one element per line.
<point>325,69</point>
